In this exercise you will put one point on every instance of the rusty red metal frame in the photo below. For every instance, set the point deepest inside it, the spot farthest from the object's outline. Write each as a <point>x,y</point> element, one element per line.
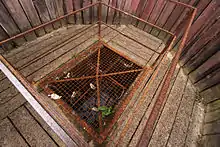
<point>68,110</point>
<point>63,121</point>
<point>150,124</point>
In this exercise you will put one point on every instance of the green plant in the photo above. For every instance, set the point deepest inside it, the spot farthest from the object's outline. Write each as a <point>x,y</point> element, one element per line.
<point>106,111</point>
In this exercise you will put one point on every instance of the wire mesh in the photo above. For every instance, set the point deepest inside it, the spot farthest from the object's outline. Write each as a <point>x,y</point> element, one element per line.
<point>79,89</point>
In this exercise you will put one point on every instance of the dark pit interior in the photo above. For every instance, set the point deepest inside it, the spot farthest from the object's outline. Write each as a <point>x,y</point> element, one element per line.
<point>78,86</point>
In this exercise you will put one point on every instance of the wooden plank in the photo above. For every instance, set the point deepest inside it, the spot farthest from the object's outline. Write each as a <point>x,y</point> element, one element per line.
<point>42,11</point>
<point>42,43</point>
<point>212,128</point>
<point>61,60</point>
<point>203,19</point>
<point>212,116</point>
<point>127,8</point>
<point>144,109</point>
<point>69,8</point>
<point>111,12</point>
<point>4,84</point>
<point>149,6</point>
<point>215,105</point>
<point>95,12</point>
<point>208,35</point>
<point>8,94</point>
<point>156,13</point>
<point>51,7</point>
<point>58,51</point>
<point>6,46</point>
<point>182,120</point>
<point>127,52</point>
<point>104,11</point>
<point>46,48</point>
<point>117,15</point>
<point>133,47</point>
<point>19,17</point>
<point>52,63</point>
<point>44,125</point>
<point>9,135</point>
<point>204,53</point>
<point>86,12</point>
<point>211,140</point>
<point>11,105</point>
<point>32,15</point>
<point>139,11</point>
<point>178,24</point>
<point>144,38</point>
<point>163,17</point>
<point>209,80</point>
<point>60,11</point>
<point>211,94</point>
<point>173,17</point>
<point>10,28</point>
<point>30,129</point>
<point>194,130</point>
<point>138,109</point>
<point>176,13</point>
<point>79,15</point>
<point>207,67</point>
<point>166,120</point>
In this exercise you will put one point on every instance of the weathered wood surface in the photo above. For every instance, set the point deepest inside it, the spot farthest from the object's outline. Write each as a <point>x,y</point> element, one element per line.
<point>44,55</point>
<point>17,13</point>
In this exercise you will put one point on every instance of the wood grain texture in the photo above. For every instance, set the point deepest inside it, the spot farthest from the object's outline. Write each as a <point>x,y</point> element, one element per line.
<point>67,9</point>
<point>10,28</point>
<point>53,12</point>
<point>30,129</point>
<point>206,68</point>
<point>43,13</point>
<point>32,15</point>
<point>19,17</point>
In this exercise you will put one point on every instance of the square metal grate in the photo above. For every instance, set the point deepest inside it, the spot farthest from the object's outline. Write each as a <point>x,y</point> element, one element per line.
<point>101,80</point>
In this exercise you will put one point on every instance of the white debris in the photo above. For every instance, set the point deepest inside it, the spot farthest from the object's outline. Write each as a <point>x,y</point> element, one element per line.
<point>57,78</point>
<point>95,109</point>
<point>128,65</point>
<point>73,94</point>
<point>55,96</point>
<point>92,86</point>
<point>67,76</point>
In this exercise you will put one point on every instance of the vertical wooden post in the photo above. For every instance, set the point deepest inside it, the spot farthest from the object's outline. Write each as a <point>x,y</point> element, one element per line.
<point>100,17</point>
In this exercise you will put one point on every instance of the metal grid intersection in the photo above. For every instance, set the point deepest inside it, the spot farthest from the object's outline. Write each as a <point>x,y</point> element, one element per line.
<point>103,78</point>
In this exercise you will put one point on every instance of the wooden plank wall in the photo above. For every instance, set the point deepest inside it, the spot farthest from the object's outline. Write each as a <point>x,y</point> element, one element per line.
<point>200,58</point>
<point>20,15</point>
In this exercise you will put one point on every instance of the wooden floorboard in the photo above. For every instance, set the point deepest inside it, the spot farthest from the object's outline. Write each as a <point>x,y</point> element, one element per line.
<point>43,124</point>
<point>30,129</point>
<point>38,58</point>
<point>9,136</point>
<point>179,129</point>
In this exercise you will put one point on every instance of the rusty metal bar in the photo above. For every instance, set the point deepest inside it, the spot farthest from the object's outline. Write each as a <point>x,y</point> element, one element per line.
<point>90,77</point>
<point>156,67</point>
<point>73,138</point>
<point>145,137</point>
<point>142,20</point>
<point>123,72</point>
<point>182,4</point>
<point>47,23</point>
<point>98,91</point>
<point>116,82</point>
